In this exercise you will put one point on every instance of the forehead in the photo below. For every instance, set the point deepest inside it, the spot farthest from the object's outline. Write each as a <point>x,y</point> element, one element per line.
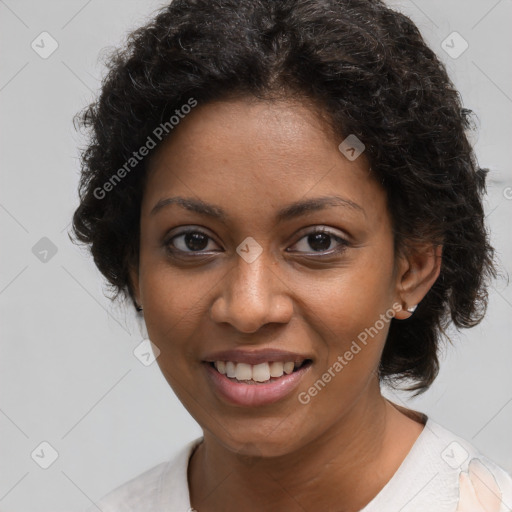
<point>257,155</point>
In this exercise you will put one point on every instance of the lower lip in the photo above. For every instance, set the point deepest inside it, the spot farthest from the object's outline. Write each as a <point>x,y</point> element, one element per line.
<point>251,395</point>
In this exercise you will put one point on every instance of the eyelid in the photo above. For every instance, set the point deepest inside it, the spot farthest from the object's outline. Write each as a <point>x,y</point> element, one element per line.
<point>319,228</point>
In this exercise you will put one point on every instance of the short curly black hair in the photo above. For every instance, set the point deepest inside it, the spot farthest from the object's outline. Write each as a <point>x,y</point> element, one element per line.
<point>373,75</point>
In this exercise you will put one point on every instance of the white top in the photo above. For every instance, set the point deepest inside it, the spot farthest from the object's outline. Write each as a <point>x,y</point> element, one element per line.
<point>441,473</point>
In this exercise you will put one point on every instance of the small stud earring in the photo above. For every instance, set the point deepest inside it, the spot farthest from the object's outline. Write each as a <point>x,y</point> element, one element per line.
<point>412,309</point>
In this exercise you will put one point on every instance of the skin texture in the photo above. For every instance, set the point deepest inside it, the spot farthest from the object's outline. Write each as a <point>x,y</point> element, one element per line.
<point>251,158</point>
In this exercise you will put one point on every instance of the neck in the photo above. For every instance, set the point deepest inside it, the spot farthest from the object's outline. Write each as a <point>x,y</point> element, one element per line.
<point>342,469</point>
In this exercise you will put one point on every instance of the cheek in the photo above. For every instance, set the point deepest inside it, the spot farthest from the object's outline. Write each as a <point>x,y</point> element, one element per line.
<point>351,338</point>
<point>351,313</point>
<point>350,327</point>
<point>171,313</point>
<point>173,307</point>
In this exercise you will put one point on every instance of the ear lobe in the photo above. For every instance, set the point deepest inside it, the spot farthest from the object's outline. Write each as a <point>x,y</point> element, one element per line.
<point>419,270</point>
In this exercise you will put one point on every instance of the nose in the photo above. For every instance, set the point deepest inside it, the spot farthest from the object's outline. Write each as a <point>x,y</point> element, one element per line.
<point>252,295</point>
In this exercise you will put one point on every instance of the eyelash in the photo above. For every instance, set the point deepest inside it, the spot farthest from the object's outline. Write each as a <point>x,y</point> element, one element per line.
<point>342,242</point>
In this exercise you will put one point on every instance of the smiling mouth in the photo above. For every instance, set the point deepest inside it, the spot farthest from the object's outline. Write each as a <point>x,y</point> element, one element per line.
<point>258,374</point>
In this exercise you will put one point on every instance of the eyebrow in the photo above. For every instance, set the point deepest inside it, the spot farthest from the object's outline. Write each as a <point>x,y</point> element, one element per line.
<point>288,212</point>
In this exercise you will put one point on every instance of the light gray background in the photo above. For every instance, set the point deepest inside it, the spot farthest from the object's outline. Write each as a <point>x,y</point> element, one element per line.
<point>68,374</point>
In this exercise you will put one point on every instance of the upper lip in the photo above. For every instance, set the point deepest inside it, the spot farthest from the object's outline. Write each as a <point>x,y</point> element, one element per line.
<point>253,357</point>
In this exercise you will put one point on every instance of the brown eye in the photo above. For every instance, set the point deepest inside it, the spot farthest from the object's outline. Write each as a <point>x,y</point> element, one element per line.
<point>189,241</point>
<point>320,241</point>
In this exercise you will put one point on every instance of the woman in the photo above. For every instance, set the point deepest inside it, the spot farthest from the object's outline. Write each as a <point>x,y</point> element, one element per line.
<point>286,193</point>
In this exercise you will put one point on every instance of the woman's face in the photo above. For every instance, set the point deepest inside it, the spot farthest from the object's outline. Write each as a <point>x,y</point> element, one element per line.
<point>258,180</point>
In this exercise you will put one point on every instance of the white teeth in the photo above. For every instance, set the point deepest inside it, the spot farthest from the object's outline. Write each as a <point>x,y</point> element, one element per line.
<point>221,367</point>
<point>276,369</point>
<point>288,367</point>
<point>259,372</point>
<point>230,369</point>
<point>243,371</point>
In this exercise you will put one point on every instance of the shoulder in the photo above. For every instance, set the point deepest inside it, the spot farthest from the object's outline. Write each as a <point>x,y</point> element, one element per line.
<point>481,484</point>
<point>445,472</point>
<point>464,477</point>
<point>457,452</point>
<point>135,494</point>
<point>156,489</point>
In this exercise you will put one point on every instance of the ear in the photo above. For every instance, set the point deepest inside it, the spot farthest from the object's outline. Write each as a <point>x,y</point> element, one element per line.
<point>134,281</point>
<point>418,270</point>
